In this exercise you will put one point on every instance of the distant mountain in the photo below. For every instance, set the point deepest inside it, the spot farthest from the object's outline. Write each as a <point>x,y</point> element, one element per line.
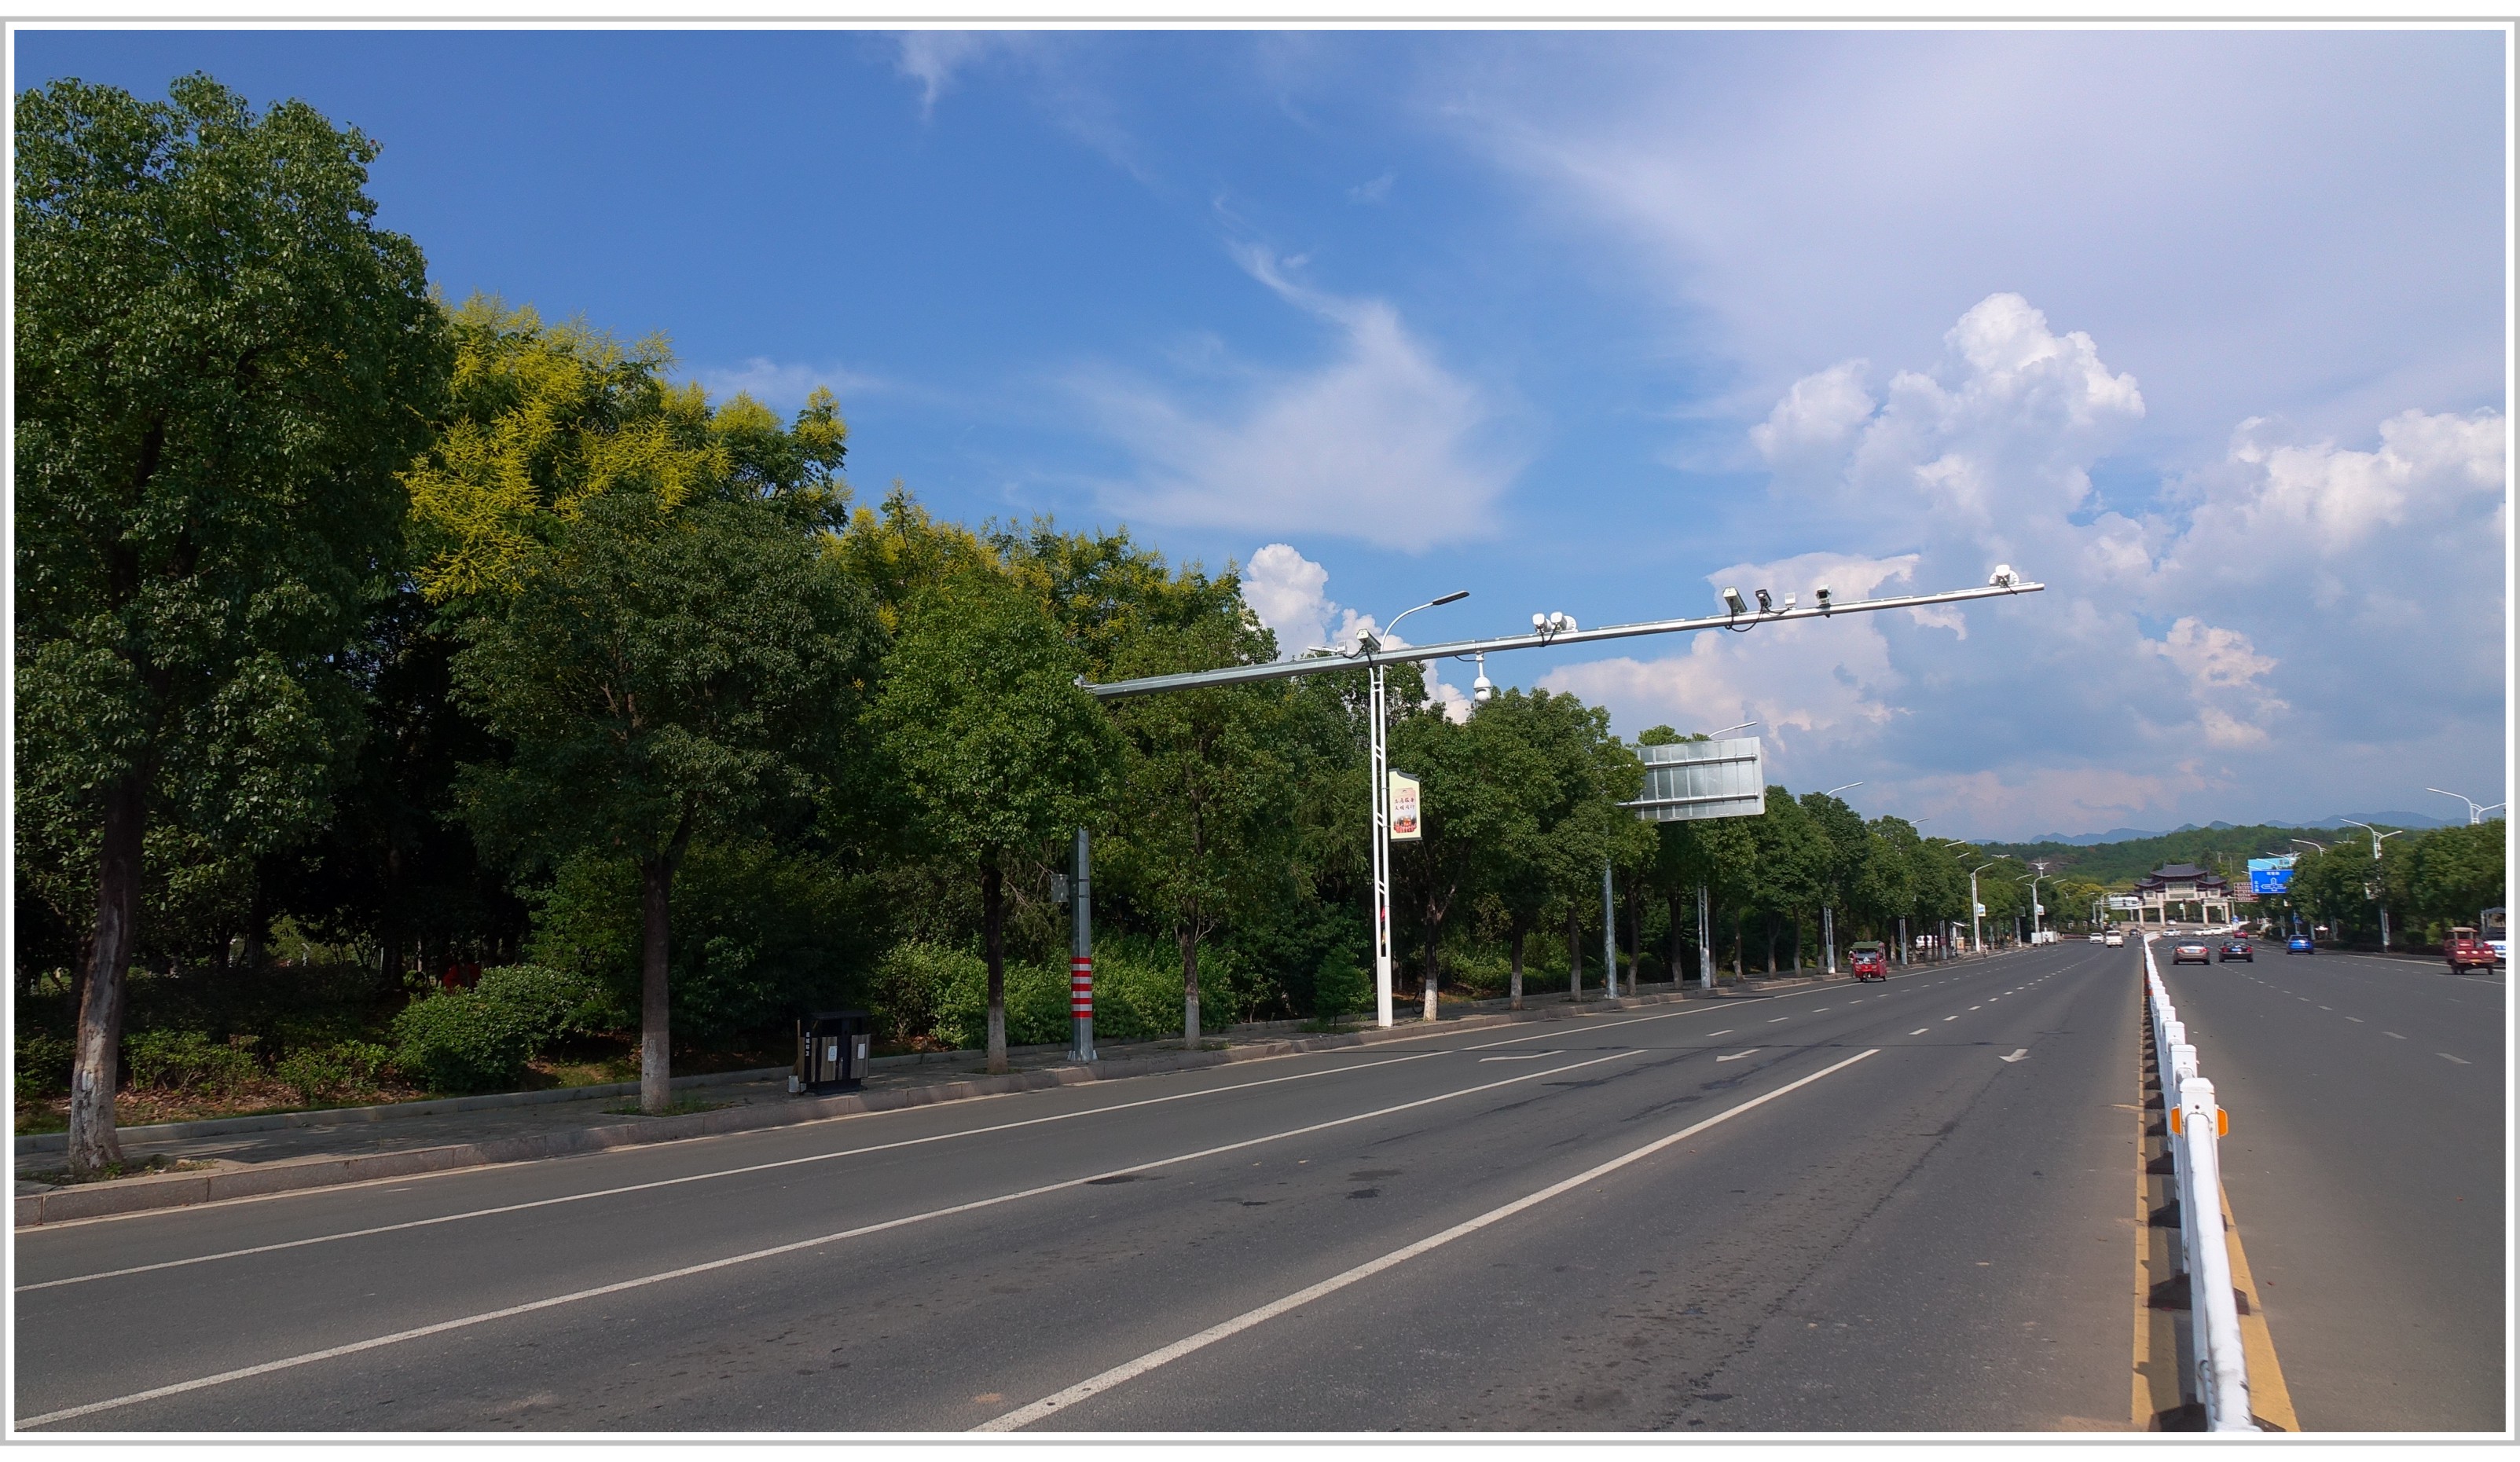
<point>2131,835</point>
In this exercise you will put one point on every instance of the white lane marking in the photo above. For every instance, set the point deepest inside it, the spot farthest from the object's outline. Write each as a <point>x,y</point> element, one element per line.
<point>1737,1055</point>
<point>669,1182</point>
<point>1024,1416</point>
<point>463,1322</point>
<point>1920,1029</point>
<point>1791,994</point>
<point>1780,1020</point>
<point>1950,1017</point>
<point>1517,1056</point>
<point>2018,1055</point>
<point>2328,1009</point>
<point>2447,1056</point>
<point>1977,1007</point>
<point>2358,1020</point>
<point>1711,1034</point>
<point>2392,1035</point>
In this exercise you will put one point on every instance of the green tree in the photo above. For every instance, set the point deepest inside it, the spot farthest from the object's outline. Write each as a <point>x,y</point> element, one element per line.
<point>995,745</point>
<point>1794,862</point>
<point>1850,848</point>
<point>220,363</point>
<point>648,612</point>
<point>2453,874</point>
<point>1201,809</point>
<point>1544,752</point>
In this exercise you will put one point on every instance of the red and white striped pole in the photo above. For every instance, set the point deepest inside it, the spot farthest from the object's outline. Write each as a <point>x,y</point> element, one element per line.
<point>1080,958</point>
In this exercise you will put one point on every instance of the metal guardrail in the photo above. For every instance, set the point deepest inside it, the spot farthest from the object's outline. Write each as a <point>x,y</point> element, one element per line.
<point>2196,1126</point>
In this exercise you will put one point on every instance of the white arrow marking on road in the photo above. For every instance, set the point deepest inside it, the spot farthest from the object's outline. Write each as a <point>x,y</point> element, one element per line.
<point>2022,1054</point>
<point>1754,1051</point>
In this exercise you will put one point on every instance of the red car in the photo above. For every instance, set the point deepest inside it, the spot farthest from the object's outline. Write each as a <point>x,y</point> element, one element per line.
<point>1870,962</point>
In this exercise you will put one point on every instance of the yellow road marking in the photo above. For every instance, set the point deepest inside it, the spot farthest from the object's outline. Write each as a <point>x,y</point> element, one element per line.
<point>2269,1396</point>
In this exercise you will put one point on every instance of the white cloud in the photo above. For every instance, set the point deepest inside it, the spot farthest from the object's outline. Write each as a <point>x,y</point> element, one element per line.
<point>1289,594</point>
<point>1380,443</point>
<point>1373,191</point>
<point>931,58</point>
<point>2288,574</point>
<point>785,385</point>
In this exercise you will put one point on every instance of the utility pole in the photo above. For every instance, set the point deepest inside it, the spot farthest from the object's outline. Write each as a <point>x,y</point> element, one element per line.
<point>1610,935</point>
<point>1705,944</point>
<point>1080,948</point>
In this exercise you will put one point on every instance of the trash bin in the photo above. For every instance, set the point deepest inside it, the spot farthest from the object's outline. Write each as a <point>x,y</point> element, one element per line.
<point>832,1047</point>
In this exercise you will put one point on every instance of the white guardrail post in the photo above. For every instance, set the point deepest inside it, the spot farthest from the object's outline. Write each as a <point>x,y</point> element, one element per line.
<point>2196,1125</point>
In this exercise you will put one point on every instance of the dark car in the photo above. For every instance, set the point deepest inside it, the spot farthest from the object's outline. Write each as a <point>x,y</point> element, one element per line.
<point>2240,949</point>
<point>2191,954</point>
<point>2299,944</point>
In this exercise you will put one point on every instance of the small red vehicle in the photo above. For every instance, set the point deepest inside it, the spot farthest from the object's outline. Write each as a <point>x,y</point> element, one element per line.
<point>2466,951</point>
<point>1871,960</point>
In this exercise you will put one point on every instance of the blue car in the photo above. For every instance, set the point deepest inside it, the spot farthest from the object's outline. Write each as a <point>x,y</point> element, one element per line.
<point>2299,944</point>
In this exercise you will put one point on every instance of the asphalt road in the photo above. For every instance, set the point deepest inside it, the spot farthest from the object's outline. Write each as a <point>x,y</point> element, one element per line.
<point>1839,1208</point>
<point>2366,1165</point>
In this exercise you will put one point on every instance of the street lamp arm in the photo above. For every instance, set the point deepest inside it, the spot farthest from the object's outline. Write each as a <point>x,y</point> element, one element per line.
<point>1282,669</point>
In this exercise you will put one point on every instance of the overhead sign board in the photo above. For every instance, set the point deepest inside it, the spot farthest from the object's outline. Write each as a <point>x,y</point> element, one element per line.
<point>2125,903</point>
<point>1405,824</point>
<point>1688,781</point>
<point>2271,876</point>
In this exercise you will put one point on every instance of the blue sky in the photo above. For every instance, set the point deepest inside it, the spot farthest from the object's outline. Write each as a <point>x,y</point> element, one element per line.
<point>2207,330</point>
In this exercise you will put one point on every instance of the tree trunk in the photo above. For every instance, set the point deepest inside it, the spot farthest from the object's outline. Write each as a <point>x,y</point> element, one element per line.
<point>656,1009</point>
<point>1736,944</point>
<point>1517,965</point>
<point>993,949</point>
<point>1574,954</point>
<point>95,1060</point>
<point>1671,942</point>
<point>1190,989</point>
<point>257,925</point>
<point>1794,923</point>
<point>1770,919</point>
<point>1434,936</point>
<point>1636,938</point>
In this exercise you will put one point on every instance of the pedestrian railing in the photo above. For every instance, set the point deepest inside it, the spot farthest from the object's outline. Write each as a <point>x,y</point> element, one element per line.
<point>2196,1125</point>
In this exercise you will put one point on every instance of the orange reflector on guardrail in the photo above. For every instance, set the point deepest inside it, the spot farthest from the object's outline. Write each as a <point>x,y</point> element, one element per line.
<point>2222,1122</point>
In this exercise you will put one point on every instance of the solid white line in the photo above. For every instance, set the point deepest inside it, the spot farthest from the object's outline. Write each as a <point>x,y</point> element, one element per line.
<point>462,1322</point>
<point>1737,1055</point>
<point>668,1182</point>
<point>1024,1416</point>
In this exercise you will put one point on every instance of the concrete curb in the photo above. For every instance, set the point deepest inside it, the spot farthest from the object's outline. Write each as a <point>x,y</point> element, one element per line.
<point>184,1189</point>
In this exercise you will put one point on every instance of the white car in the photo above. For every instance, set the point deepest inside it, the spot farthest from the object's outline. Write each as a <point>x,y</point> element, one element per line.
<point>2097,937</point>
<point>2114,940</point>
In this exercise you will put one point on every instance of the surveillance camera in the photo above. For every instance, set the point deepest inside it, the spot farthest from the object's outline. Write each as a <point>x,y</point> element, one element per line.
<point>1764,603</point>
<point>1789,601</point>
<point>1733,603</point>
<point>2002,578</point>
<point>1540,621</point>
<point>1566,622</point>
<point>1820,593</point>
<point>1482,690</point>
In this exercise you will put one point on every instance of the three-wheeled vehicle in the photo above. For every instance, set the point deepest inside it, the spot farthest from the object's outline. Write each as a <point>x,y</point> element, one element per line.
<point>1871,960</point>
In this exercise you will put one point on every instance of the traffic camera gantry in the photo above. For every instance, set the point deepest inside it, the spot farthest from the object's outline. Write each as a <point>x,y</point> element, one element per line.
<point>1548,630</point>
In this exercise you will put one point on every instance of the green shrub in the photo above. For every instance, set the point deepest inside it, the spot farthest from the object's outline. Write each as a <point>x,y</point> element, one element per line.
<point>941,992</point>
<point>344,1070</point>
<point>462,1040</point>
<point>554,1004</point>
<point>43,1065</point>
<point>1340,988</point>
<point>191,1062</point>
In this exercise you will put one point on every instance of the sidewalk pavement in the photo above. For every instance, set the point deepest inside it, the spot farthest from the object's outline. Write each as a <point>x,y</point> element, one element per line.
<point>246,1157</point>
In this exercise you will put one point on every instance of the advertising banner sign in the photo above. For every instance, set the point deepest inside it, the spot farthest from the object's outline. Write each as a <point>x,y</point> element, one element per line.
<point>2271,876</point>
<point>1404,826</point>
<point>2125,903</point>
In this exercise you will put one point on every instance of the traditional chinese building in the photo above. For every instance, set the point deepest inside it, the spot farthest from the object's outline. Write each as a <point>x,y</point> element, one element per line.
<point>2185,893</point>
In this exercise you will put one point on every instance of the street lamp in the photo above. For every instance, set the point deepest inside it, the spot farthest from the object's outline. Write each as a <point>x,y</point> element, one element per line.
<point>2307,843</point>
<point>2377,837</point>
<point>2475,812</point>
<point>1833,791</point>
<point>1977,930</point>
<point>1371,648</point>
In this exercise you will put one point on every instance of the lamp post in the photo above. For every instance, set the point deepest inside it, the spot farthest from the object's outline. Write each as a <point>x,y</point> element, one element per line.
<point>2377,837</point>
<point>1977,929</point>
<point>1371,647</point>
<point>2475,812</point>
<point>1827,914</point>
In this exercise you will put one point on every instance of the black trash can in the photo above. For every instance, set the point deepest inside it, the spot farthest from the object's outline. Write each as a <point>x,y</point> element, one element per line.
<point>832,1047</point>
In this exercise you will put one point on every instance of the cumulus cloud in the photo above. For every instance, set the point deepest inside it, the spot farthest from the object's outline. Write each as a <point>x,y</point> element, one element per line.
<point>2237,624</point>
<point>1381,442</point>
<point>1289,595</point>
